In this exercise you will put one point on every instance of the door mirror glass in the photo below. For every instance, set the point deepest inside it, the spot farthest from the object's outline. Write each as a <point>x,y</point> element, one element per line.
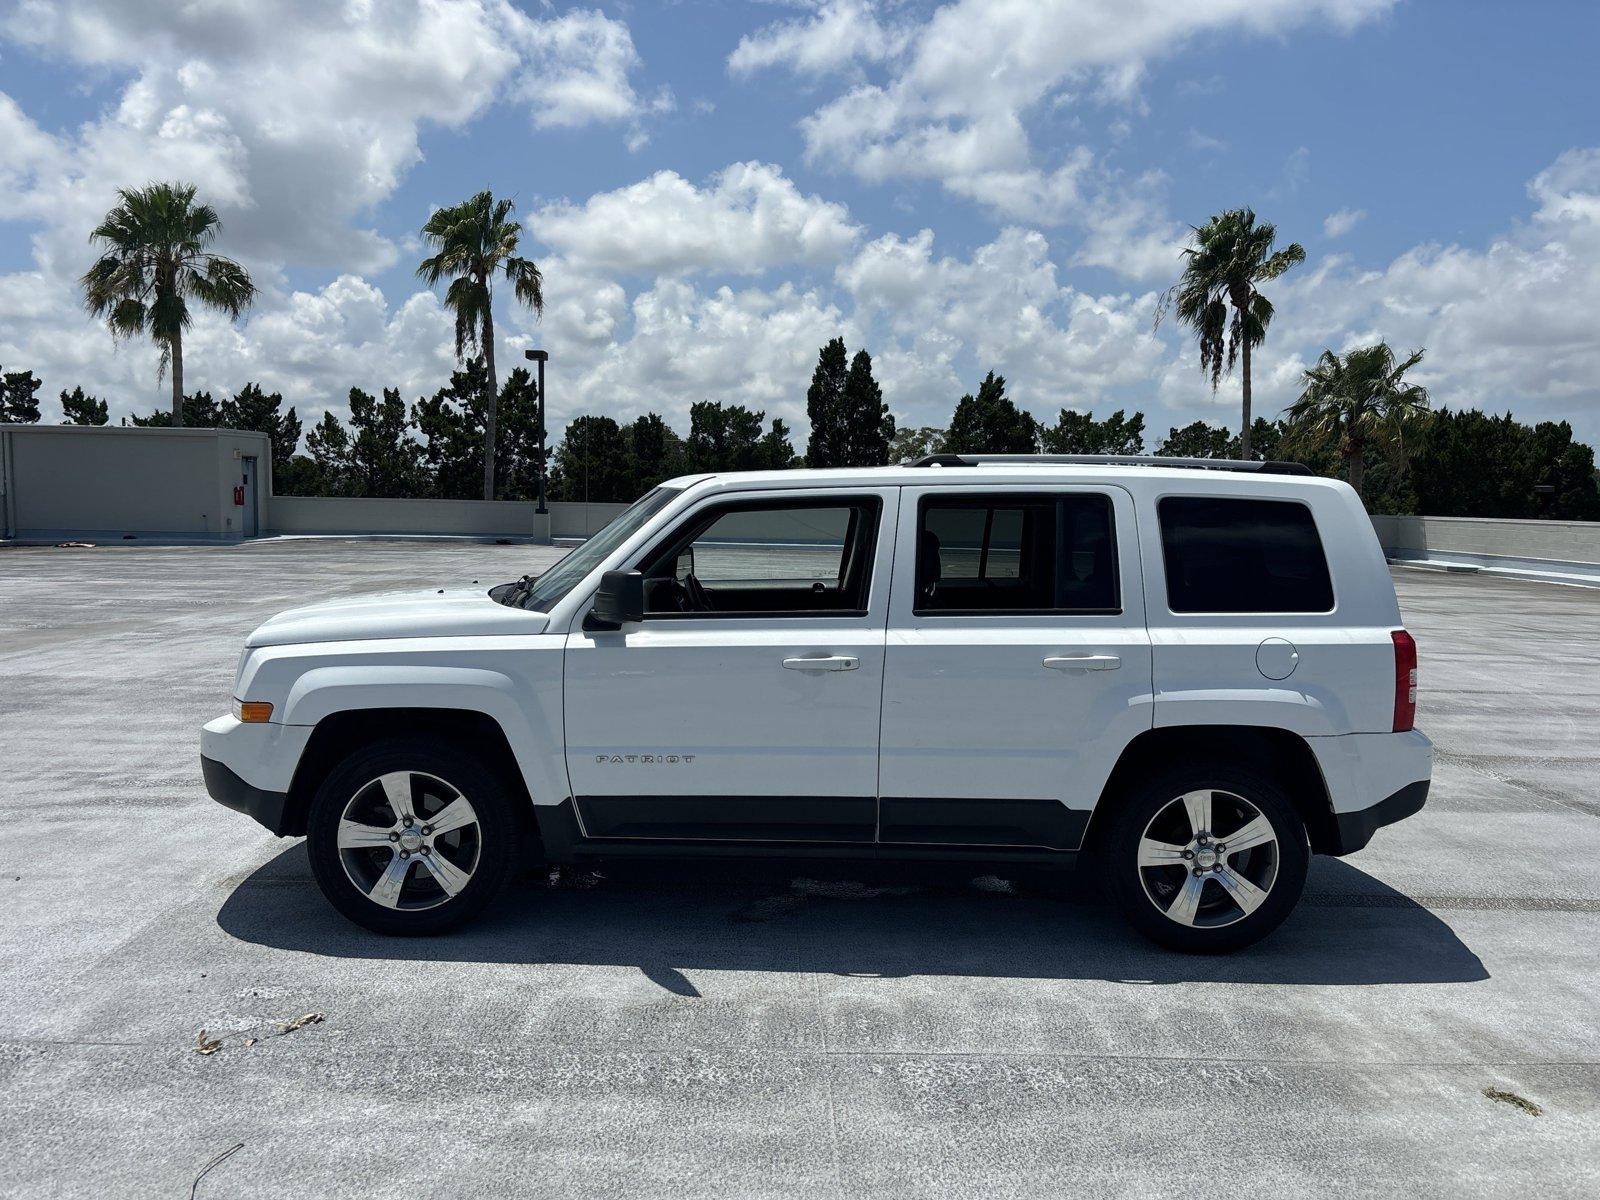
<point>619,600</point>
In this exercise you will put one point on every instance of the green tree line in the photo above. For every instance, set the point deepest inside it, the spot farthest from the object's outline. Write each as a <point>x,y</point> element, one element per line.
<point>1358,414</point>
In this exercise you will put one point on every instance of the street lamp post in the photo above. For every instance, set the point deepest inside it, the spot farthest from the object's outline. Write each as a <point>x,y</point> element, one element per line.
<point>541,357</point>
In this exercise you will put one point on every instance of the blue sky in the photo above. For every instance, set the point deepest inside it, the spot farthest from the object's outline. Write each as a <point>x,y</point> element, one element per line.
<point>714,188</point>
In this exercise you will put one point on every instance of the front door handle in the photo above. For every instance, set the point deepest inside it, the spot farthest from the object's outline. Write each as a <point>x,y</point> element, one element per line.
<point>834,662</point>
<point>1085,662</point>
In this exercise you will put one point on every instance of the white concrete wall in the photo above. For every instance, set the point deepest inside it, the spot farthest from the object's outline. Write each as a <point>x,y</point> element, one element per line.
<point>465,518</point>
<point>1543,548</point>
<point>104,481</point>
<point>570,519</point>
<point>354,514</point>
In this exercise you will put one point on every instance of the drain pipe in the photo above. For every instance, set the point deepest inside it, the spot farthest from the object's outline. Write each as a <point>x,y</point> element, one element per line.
<point>8,526</point>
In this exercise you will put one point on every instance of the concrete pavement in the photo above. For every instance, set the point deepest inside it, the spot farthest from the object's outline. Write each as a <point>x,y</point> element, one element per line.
<point>735,1030</point>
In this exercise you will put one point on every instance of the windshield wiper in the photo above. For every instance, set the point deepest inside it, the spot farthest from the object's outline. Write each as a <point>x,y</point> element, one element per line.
<point>513,595</point>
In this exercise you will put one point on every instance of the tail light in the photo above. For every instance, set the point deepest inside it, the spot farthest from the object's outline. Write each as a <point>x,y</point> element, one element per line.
<point>1405,681</point>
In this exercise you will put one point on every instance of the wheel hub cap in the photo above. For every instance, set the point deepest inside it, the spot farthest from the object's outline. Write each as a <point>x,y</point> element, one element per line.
<point>1208,858</point>
<point>409,840</point>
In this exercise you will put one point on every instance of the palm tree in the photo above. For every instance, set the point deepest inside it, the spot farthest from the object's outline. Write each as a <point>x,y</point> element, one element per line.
<point>476,241</point>
<point>1234,255</point>
<point>1357,402</point>
<point>155,261</point>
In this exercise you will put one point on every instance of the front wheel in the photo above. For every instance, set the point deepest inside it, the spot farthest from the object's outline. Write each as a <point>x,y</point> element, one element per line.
<point>411,837</point>
<point>1207,861</point>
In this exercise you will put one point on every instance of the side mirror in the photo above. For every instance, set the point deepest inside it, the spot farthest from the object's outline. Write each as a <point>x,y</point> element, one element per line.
<point>619,599</point>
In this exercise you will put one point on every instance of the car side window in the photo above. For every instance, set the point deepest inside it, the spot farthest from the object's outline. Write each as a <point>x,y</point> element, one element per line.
<point>1225,554</point>
<point>1025,553</point>
<point>766,558</point>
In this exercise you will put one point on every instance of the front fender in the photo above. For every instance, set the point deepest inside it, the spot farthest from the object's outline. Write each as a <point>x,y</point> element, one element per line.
<point>514,682</point>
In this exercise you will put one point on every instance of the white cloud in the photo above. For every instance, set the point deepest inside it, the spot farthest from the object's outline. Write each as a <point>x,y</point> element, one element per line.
<point>295,117</point>
<point>957,98</point>
<point>575,71</point>
<point>1005,308</point>
<point>1337,224</point>
<point>1510,325</point>
<point>748,218</point>
<point>839,35</point>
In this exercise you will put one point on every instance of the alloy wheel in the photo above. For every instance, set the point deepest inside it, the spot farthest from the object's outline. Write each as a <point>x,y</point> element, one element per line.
<point>1208,858</point>
<point>409,840</point>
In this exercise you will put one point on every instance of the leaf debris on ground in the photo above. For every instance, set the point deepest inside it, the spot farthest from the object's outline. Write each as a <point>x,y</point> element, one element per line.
<point>1516,1101</point>
<point>310,1018</point>
<point>206,1045</point>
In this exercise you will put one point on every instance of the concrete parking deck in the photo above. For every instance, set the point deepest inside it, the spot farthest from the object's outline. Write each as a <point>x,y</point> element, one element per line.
<point>721,1032</point>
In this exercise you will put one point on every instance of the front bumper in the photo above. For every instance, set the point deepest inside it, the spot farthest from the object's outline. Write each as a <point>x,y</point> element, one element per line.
<point>228,790</point>
<point>249,768</point>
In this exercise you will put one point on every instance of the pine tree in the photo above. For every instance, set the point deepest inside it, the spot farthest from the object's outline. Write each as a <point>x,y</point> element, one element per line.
<point>200,411</point>
<point>1080,433</point>
<point>989,423</point>
<point>1197,440</point>
<point>775,451</point>
<point>383,457</point>
<point>591,461</point>
<point>728,437</point>
<point>517,446</point>
<point>868,427</point>
<point>450,424</point>
<point>825,408</point>
<point>655,453</point>
<point>329,446</point>
<point>261,412</point>
<point>19,398</point>
<point>80,409</point>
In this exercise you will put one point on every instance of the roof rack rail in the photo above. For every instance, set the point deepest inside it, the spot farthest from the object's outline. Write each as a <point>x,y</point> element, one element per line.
<point>1266,467</point>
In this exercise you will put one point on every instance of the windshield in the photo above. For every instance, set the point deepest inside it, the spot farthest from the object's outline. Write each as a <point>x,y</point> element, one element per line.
<point>549,588</point>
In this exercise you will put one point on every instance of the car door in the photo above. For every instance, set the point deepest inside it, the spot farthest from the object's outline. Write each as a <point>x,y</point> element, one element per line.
<point>1017,665</point>
<point>745,705</point>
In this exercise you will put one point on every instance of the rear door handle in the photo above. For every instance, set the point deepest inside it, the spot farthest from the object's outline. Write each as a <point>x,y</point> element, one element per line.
<point>1084,662</point>
<point>833,662</point>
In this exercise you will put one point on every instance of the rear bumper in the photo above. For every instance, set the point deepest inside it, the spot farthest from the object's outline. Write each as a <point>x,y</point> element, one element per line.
<point>228,790</point>
<point>1356,828</point>
<point>1373,780</point>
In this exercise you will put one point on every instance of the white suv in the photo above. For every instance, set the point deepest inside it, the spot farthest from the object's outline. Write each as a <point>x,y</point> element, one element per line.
<point>1191,672</point>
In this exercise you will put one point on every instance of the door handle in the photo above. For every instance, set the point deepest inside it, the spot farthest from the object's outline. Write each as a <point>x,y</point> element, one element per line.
<point>1085,662</point>
<point>833,662</point>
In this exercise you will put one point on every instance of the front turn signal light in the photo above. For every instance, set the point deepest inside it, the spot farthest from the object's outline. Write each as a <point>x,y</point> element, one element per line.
<point>252,712</point>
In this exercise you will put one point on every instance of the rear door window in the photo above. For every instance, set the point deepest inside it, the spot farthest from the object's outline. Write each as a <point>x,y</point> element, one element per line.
<point>1225,554</point>
<point>1026,553</point>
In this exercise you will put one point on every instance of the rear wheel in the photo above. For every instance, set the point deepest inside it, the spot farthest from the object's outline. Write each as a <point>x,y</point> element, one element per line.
<point>411,837</point>
<point>1207,861</point>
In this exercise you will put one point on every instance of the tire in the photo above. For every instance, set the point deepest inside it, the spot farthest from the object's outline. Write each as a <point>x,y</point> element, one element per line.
<point>1210,902</point>
<point>398,879</point>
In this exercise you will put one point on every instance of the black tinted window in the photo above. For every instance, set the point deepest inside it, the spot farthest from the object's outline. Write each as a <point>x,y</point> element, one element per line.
<point>1023,554</point>
<point>1226,555</point>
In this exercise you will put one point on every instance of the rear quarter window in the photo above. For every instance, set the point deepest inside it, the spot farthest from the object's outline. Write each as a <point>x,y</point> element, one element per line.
<point>1225,554</point>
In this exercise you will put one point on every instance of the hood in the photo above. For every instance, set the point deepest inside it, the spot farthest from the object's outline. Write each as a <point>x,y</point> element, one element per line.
<point>455,612</point>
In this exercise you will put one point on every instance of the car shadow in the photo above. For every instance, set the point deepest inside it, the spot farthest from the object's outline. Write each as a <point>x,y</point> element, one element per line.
<point>863,920</point>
